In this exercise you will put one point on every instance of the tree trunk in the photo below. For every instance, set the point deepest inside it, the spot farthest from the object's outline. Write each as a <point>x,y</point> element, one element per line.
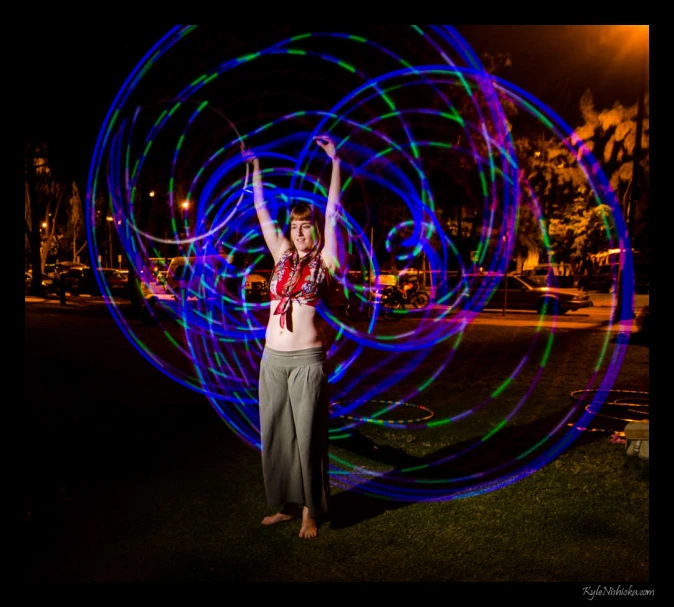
<point>135,294</point>
<point>33,231</point>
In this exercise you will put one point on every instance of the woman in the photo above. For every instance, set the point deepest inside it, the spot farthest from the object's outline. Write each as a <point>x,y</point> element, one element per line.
<point>294,405</point>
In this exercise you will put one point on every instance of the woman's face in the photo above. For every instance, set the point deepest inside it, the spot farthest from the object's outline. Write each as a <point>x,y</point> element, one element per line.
<point>303,234</point>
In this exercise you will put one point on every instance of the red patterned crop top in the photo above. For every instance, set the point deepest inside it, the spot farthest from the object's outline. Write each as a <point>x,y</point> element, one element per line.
<point>297,279</point>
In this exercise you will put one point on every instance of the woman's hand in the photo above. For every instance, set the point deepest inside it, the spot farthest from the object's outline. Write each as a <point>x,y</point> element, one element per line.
<point>326,142</point>
<point>247,154</point>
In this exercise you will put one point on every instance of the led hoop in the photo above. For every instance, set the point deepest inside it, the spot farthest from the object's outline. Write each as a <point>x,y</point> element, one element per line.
<point>390,406</point>
<point>219,335</point>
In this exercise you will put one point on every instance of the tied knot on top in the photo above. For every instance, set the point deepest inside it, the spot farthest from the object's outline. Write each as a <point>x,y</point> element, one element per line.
<point>298,280</point>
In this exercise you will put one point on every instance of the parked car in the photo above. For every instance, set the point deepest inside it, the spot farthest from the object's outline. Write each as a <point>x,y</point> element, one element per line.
<point>385,279</point>
<point>202,276</point>
<point>46,282</point>
<point>64,266</point>
<point>82,281</point>
<point>157,268</point>
<point>160,275</point>
<point>117,281</point>
<point>50,270</point>
<point>605,278</point>
<point>208,276</point>
<point>548,274</point>
<point>517,292</point>
<point>257,288</point>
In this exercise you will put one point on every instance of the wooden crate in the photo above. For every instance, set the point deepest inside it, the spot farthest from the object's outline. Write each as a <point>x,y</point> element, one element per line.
<point>637,439</point>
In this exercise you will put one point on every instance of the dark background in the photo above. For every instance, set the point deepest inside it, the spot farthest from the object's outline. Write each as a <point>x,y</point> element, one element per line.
<point>71,77</point>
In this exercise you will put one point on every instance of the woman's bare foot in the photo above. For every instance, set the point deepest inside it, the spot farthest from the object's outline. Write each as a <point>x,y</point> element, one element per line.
<point>279,517</point>
<point>308,531</point>
<point>287,513</point>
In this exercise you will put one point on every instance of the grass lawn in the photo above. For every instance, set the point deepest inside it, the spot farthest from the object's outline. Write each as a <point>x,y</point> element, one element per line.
<point>159,489</point>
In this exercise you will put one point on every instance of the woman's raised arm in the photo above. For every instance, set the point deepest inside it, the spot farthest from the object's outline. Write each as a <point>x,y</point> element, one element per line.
<point>332,251</point>
<point>273,236</point>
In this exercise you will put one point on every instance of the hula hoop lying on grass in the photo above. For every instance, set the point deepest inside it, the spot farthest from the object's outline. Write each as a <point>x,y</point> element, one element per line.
<point>620,401</point>
<point>390,405</point>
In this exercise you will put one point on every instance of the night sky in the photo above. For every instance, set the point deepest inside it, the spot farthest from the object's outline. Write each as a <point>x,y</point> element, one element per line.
<point>72,77</point>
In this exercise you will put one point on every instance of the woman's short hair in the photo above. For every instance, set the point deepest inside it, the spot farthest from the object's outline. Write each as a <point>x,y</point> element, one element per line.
<point>303,211</point>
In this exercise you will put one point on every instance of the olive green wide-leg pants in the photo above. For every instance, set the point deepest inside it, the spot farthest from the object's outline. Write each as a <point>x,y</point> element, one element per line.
<point>294,415</point>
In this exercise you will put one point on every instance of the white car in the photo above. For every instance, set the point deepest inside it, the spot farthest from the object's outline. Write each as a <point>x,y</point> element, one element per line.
<point>516,292</point>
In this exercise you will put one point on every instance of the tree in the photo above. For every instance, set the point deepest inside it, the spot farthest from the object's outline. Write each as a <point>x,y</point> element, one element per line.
<point>458,170</point>
<point>570,215</point>
<point>76,221</point>
<point>611,136</point>
<point>44,225</point>
<point>52,194</point>
<point>553,196</point>
<point>36,172</point>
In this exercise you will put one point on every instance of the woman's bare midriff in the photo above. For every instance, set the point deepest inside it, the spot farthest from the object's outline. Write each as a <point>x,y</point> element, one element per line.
<point>306,329</point>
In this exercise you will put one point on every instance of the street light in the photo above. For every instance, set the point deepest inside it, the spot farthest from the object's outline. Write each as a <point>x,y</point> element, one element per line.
<point>186,207</point>
<point>637,173</point>
<point>619,313</point>
<point>110,219</point>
